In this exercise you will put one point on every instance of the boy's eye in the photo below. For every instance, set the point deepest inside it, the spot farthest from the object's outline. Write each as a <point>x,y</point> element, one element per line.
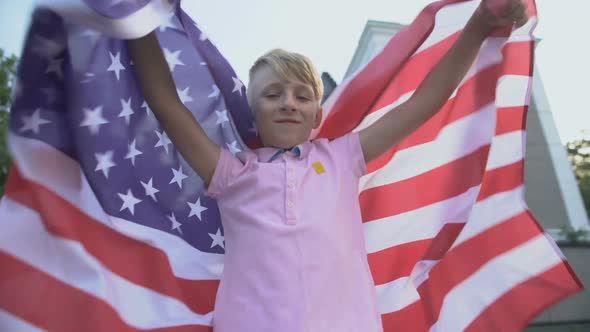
<point>303,98</point>
<point>271,95</point>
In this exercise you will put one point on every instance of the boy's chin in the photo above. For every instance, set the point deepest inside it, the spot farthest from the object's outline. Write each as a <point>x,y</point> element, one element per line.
<point>285,140</point>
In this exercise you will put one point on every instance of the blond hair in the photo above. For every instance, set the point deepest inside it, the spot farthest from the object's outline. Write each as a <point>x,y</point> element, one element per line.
<point>290,65</point>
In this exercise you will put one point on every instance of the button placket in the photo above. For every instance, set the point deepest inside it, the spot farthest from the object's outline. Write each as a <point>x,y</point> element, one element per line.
<point>290,199</point>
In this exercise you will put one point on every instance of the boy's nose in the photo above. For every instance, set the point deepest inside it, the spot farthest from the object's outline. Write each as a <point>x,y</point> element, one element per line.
<point>288,103</point>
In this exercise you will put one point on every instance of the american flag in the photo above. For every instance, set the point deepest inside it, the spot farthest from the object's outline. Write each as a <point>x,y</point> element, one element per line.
<point>105,227</point>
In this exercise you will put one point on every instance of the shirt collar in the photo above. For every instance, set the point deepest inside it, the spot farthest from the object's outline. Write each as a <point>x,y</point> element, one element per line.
<point>268,154</point>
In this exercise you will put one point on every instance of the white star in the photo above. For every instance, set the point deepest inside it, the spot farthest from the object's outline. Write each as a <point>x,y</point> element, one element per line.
<point>163,140</point>
<point>145,105</point>
<point>55,67</point>
<point>47,48</point>
<point>184,96</point>
<point>221,117</point>
<point>150,190</point>
<point>238,85</point>
<point>233,148</point>
<point>196,209</point>
<point>104,162</point>
<point>132,153</point>
<point>178,177</point>
<point>172,58</point>
<point>126,110</point>
<point>93,119</point>
<point>169,23</point>
<point>175,224</point>
<point>129,201</point>
<point>116,65</point>
<point>215,92</point>
<point>33,122</point>
<point>217,239</point>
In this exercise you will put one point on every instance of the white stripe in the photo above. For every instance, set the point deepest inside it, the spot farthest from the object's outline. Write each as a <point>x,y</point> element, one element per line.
<point>67,261</point>
<point>63,176</point>
<point>506,149</point>
<point>420,224</point>
<point>396,295</point>
<point>197,266</point>
<point>454,141</point>
<point>513,90</point>
<point>464,303</point>
<point>373,117</point>
<point>9,322</point>
<point>486,213</point>
<point>135,25</point>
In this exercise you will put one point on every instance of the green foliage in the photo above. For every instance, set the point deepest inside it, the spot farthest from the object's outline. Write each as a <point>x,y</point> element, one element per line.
<point>579,155</point>
<point>7,74</point>
<point>573,236</point>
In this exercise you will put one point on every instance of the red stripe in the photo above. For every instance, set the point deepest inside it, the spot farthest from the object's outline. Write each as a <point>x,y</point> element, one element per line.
<point>53,305</point>
<point>398,261</point>
<point>501,179</point>
<point>509,119</point>
<point>413,319</point>
<point>433,186</point>
<point>535,295</point>
<point>133,260</point>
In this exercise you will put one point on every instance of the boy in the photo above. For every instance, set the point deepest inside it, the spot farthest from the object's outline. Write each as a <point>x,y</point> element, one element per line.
<point>295,256</point>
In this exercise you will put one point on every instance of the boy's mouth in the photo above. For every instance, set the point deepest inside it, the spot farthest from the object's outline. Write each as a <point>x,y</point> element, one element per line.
<point>287,121</point>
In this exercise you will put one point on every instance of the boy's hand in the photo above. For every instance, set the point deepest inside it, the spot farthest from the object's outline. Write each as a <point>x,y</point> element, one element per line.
<point>499,13</point>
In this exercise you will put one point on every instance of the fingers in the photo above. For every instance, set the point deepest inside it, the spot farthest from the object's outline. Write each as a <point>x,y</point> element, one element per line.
<point>515,13</point>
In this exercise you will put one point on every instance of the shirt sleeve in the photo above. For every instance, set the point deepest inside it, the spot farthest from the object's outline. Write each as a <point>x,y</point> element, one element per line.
<point>226,165</point>
<point>348,151</point>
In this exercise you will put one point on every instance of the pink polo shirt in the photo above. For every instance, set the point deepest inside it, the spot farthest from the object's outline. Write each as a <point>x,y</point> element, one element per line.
<point>295,256</point>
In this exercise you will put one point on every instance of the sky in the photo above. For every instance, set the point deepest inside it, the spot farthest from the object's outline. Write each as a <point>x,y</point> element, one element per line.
<point>328,32</point>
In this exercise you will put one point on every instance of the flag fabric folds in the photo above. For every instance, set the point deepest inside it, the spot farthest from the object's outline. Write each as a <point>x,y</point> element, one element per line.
<point>105,227</point>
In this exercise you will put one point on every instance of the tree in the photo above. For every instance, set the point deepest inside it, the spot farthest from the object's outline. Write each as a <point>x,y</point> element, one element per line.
<point>579,155</point>
<point>7,74</point>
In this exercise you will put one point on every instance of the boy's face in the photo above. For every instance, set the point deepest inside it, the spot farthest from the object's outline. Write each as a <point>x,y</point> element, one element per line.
<point>285,111</point>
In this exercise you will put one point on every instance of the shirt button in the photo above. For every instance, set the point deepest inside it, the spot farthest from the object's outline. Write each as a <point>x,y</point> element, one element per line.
<point>291,185</point>
<point>290,204</point>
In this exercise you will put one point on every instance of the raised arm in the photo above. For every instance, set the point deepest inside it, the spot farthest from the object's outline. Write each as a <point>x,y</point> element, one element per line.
<point>159,90</point>
<point>439,84</point>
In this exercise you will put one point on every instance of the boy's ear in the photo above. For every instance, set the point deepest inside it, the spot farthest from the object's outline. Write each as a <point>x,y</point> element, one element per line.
<point>318,118</point>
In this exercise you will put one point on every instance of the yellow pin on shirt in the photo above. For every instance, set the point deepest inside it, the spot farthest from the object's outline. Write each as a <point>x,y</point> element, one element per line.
<point>318,167</point>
